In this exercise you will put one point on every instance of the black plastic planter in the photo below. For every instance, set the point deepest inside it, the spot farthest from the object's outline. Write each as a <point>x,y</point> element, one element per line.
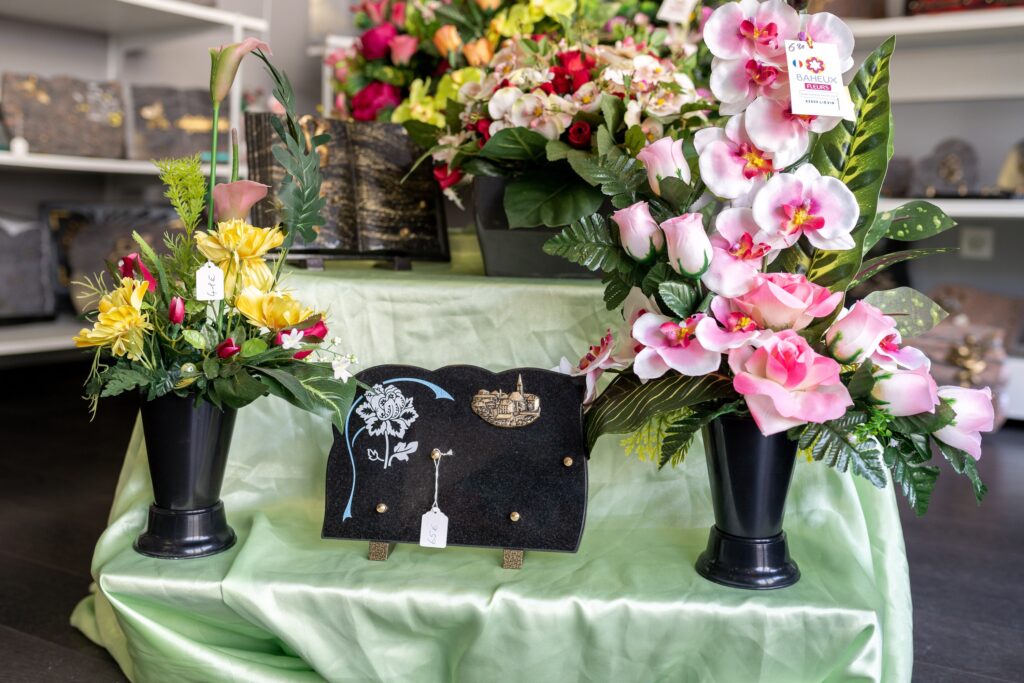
<point>187,446</point>
<point>750,475</point>
<point>514,253</point>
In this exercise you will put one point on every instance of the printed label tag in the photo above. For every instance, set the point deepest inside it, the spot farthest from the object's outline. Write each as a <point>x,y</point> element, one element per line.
<point>209,283</point>
<point>434,529</point>
<point>676,11</point>
<point>816,80</point>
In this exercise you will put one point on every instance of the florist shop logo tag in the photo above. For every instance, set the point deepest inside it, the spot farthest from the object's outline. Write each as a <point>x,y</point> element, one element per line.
<point>816,81</point>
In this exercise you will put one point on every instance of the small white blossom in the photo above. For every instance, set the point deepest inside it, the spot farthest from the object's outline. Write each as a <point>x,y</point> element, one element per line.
<point>341,369</point>
<point>291,340</point>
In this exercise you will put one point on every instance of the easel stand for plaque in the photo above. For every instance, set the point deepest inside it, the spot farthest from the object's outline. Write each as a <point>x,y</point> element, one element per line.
<point>380,551</point>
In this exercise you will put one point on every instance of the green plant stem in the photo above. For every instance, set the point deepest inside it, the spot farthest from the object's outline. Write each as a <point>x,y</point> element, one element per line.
<point>234,155</point>
<point>213,165</point>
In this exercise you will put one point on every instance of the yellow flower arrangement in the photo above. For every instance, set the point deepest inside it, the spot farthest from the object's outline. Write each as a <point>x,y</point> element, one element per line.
<point>272,310</point>
<point>121,324</point>
<point>238,248</point>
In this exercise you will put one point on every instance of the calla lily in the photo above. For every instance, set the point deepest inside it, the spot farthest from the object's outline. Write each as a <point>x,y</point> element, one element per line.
<point>224,65</point>
<point>130,264</point>
<point>232,201</point>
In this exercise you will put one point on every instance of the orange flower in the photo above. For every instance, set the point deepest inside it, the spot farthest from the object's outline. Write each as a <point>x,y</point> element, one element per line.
<point>488,5</point>
<point>447,39</point>
<point>479,52</point>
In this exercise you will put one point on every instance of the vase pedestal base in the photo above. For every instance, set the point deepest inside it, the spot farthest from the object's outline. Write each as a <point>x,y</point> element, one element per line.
<point>180,534</point>
<point>751,563</point>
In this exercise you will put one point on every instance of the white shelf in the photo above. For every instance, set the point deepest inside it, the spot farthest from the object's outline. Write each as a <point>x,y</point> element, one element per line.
<point>41,337</point>
<point>966,208</point>
<point>72,164</point>
<point>127,17</point>
<point>941,28</point>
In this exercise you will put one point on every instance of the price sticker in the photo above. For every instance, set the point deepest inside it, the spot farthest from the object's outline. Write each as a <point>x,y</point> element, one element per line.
<point>816,80</point>
<point>434,529</point>
<point>676,11</point>
<point>209,283</point>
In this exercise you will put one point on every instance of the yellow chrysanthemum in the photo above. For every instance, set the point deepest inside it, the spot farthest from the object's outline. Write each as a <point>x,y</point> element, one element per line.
<point>273,310</point>
<point>121,324</point>
<point>238,249</point>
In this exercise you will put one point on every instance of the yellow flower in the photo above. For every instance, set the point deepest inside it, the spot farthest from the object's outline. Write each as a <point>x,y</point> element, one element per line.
<point>447,39</point>
<point>513,21</point>
<point>238,249</point>
<point>478,52</point>
<point>488,4</point>
<point>552,8</point>
<point>273,310</point>
<point>121,324</point>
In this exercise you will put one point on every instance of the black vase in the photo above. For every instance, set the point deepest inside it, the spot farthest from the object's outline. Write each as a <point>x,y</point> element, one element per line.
<point>187,446</point>
<point>750,475</point>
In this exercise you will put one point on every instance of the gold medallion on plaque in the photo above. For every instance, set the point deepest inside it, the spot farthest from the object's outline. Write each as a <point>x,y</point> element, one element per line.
<point>500,409</point>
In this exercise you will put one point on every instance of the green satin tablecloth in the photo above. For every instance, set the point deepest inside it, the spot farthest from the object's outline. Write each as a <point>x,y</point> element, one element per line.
<point>285,605</point>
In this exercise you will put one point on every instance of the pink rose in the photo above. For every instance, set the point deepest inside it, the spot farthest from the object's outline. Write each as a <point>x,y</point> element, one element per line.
<point>403,47</point>
<point>234,200</point>
<point>398,14</point>
<point>786,300</point>
<point>368,102</point>
<point>786,384</point>
<point>639,233</point>
<point>664,159</point>
<point>373,44</point>
<point>689,249</point>
<point>974,414</point>
<point>668,344</point>
<point>858,332</point>
<point>906,392</point>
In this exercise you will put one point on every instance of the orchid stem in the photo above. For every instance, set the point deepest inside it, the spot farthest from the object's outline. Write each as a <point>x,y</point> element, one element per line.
<point>213,166</point>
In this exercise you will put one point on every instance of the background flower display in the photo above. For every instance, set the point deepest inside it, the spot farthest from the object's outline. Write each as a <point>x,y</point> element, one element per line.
<point>730,256</point>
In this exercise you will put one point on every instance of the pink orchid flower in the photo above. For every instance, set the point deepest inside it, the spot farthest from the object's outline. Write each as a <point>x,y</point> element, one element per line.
<point>807,203</point>
<point>974,414</point>
<point>664,159</point>
<point>234,200</point>
<point>729,328</point>
<point>782,301</point>
<point>593,364</point>
<point>823,27</point>
<point>639,233</point>
<point>735,83</point>
<point>906,392</point>
<point>739,248</point>
<point>773,127</point>
<point>891,354</point>
<point>786,384</point>
<point>636,305</point>
<point>731,165</point>
<point>226,60</point>
<point>671,345</point>
<point>749,28</point>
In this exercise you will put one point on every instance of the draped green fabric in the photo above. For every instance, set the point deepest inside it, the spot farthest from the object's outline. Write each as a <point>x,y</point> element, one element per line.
<point>286,605</point>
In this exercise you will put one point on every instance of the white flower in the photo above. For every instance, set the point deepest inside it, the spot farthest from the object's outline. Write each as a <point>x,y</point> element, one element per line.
<point>335,341</point>
<point>340,368</point>
<point>387,411</point>
<point>291,340</point>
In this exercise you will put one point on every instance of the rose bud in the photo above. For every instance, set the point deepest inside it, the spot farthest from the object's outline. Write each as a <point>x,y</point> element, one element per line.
<point>858,332</point>
<point>227,348</point>
<point>689,249</point>
<point>974,414</point>
<point>580,134</point>
<point>664,159</point>
<point>906,392</point>
<point>638,232</point>
<point>176,311</point>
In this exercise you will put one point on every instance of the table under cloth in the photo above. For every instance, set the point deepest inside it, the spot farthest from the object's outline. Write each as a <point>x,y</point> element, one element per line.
<point>286,605</point>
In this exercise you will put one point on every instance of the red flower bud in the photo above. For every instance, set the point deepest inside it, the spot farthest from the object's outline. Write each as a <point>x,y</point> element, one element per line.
<point>318,332</point>
<point>176,311</point>
<point>131,264</point>
<point>446,177</point>
<point>483,128</point>
<point>227,348</point>
<point>579,134</point>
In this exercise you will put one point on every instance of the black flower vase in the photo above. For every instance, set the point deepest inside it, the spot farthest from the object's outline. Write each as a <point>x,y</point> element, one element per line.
<point>187,445</point>
<point>750,475</point>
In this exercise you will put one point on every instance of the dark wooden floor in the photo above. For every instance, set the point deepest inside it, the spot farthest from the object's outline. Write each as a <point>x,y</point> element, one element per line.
<point>58,473</point>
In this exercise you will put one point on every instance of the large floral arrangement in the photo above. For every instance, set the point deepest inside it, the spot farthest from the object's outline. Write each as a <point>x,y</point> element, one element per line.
<point>156,333</point>
<point>731,268</point>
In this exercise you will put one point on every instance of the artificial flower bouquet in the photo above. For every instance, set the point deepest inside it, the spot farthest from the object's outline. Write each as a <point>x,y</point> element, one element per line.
<point>731,267</point>
<point>210,319</point>
<point>560,118</point>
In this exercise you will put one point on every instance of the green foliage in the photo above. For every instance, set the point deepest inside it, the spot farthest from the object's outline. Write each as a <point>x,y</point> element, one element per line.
<point>913,312</point>
<point>237,389</point>
<point>551,196</point>
<point>614,112</point>
<point>300,190</point>
<point>873,267</point>
<point>679,297</point>
<point>253,347</point>
<point>659,273</point>
<point>790,260</point>
<point>515,144</point>
<point>423,134</point>
<point>862,380</point>
<point>312,387</point>
<point>677,193</point>
<point>926,423</point>
<point>588,242</point>
<point>627,403</point>
<point>148,255</point>
<point>916,220</point>
<point>680,434</point>
<point>616,290</point>
<point>121,378</point>
<point>186,188</point>
<point>616,174</point>
<point>905,460</point>
<point>556,150</point>
<point>837,444</point>
<point>195,339</point>
<point>963,463</point>
<point>857,154</point>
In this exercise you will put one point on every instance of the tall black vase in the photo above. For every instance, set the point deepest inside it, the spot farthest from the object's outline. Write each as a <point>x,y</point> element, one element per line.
<point>750,475</point>
<point>187,446</point>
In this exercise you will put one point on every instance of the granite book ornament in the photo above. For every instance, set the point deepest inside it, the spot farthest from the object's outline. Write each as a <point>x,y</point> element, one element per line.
<point>170,122</point>
<point>26,269</point>
<point>63,115</point>
<point>452,457</point>
<point>951,170</point>
<point>377,205</point>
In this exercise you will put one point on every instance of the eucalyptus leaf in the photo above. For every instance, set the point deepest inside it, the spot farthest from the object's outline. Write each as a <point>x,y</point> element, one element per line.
<point>913,312</point>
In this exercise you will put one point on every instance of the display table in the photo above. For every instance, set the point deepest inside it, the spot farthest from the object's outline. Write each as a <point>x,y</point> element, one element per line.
<point>285,605</point>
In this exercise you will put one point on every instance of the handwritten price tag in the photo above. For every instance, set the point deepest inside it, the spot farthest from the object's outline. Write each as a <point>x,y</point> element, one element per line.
<point>209,283</point>
<point>434,529</point>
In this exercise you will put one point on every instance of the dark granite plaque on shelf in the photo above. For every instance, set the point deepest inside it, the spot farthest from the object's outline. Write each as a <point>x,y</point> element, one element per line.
<point>171,123</point>
<point>511,458</point>
<point>63,115</point>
